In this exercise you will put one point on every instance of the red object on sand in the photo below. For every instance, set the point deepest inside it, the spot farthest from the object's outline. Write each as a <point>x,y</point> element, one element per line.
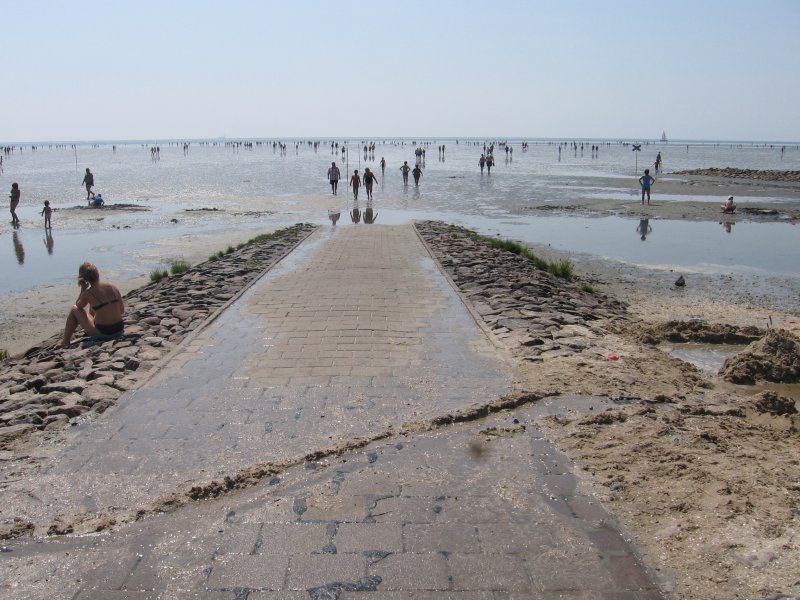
<point>613,357</point>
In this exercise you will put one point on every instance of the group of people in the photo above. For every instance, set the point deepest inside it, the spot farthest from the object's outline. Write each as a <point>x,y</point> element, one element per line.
<point>646,182</point>
<point>486,160</point>
<point>369,178</point>
<point>95,200</point>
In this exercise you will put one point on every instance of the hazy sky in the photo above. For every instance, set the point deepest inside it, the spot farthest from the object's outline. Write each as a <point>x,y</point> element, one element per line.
<point>120,69</point>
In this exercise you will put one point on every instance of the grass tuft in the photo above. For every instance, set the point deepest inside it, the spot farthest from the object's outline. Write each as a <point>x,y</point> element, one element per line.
<point>158,274</point>
<point>179,267</point>
<point>3,355</point>
<point>563,268</point>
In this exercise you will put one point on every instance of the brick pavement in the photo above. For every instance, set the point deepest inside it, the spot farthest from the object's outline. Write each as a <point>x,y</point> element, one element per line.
<point>355,333</point>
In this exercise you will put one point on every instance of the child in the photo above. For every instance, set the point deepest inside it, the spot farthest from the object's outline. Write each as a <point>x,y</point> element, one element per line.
<point>646,181</point>
<point>355,182</point>
<point>46,212</point>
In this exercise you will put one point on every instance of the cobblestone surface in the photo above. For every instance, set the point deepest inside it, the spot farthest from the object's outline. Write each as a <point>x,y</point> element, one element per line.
<point>357,332</point>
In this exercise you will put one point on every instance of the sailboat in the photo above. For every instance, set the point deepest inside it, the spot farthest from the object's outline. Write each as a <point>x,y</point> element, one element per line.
<point>663,136</point>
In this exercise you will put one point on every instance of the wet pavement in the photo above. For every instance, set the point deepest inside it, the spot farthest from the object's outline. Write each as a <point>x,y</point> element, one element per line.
<point>353,336</point>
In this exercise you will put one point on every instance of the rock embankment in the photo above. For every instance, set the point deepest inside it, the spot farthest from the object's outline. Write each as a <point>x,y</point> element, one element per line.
<point>765,175</point>
<point>49,385</point>
<point>540,316</point>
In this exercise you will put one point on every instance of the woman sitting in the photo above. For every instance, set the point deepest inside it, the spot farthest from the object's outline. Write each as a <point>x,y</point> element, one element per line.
<point>105,303</point>
<point>728,206</point>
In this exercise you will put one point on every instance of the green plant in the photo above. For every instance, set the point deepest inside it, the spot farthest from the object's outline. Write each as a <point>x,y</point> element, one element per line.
<point>3,355</point>
<point>213,258</point>
<point>220,254</point>
<point>158,274</point>
<point>230,249</point>
<point>588,289</point>
<point>563,268</point>
<point>179,267</point>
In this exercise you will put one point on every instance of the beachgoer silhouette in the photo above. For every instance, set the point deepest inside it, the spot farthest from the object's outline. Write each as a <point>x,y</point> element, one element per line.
<point>417,173</point>
<point>405,169</point>
<point>47,213</point>
<point>333,176</point>
<point>14,197</point>
<point>369,180</point>
<point>355,183</point>
<point>88,181</point>
<point>646,181</point>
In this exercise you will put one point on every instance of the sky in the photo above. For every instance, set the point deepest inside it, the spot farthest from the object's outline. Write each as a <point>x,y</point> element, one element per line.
<point>316,69</point>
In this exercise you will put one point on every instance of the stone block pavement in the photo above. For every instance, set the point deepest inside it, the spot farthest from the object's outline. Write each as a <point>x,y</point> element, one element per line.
<point>355,333</point>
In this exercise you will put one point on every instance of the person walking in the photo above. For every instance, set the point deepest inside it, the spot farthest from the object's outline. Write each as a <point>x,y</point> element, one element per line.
<point>88,181</point>
<point>369,180</point>
<point>404,170</point>
<point>355,183</point>
<point>333,176</point>
<point>417,173</point>
<point>14,196</point>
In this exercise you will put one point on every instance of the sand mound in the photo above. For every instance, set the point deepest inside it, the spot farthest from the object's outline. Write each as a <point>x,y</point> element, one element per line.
<point>773,404</point>
<point>775,358</point>
<point>681,332</point>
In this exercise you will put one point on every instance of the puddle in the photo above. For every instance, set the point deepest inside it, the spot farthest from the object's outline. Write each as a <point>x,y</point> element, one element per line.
<point>710,358</point>
<point>706,357</point>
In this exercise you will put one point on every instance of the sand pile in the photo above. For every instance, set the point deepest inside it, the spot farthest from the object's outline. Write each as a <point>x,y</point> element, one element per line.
<point>774,358</point>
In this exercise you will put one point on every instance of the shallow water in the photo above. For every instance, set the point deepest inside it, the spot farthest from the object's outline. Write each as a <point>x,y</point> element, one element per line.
<point>260,189</point>
<point>706,357</point>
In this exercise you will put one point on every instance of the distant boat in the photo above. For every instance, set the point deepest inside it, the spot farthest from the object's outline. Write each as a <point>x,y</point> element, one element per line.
<point>663,136</point>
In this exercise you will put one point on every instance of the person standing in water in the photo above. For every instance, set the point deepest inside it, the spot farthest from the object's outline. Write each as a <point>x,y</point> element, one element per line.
<point>369,180</point>
<point>14,196</point>
<point>355,183</point>
<point>383,166</point>
<point>333,176</point>
<point>405,169</point>
<point>47,212</point>
<point>646,181</point>
<point>88,181</point>
<point>417,173</point>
